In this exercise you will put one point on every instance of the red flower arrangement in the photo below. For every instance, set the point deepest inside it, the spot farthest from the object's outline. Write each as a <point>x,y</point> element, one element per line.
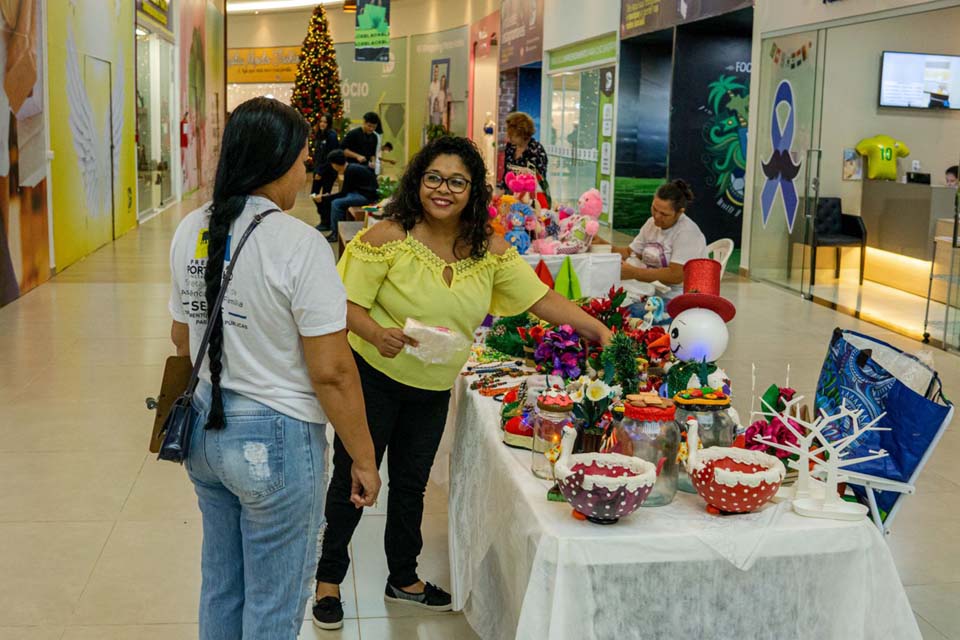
<point>610,310</point>
<point>533,336</point>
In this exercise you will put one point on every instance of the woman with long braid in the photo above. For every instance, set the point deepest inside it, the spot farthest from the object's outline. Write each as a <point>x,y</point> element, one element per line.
<point>279,366</point>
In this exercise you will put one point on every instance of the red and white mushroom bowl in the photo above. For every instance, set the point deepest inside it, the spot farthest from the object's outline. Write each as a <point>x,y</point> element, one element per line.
<point>731,480</point>
<point>736,480</point>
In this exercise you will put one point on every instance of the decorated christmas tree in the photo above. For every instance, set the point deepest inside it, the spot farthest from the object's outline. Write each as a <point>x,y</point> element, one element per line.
<point>316,89</point>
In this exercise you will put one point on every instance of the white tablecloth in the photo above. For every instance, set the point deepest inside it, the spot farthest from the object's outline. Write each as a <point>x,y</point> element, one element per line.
<point>523,568</point>
<point>597,272</point>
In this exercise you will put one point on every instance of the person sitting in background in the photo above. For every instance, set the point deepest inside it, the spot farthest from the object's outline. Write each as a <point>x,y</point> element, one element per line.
<point>359,188</point>
<point>952,174</point>
<point>522,151</point>
<point>323,140</point>
<point>666,241</point>
<point>384,150</point>
<point>360,144</point>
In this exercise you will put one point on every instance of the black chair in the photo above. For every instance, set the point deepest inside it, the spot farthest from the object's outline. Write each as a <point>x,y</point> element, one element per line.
<point>833,228</point>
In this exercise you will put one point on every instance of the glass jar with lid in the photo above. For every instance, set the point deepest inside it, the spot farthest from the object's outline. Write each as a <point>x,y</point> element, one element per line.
<point>650,423</point>
<point>717,428</point>
<point>554,412</point>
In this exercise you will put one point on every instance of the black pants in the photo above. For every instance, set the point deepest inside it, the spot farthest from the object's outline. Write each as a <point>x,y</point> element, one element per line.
<point>323,207</point>
<point>408,421</point>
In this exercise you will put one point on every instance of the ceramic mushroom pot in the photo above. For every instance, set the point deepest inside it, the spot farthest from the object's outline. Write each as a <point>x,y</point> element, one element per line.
<point>731,480</point>
<point>604,487</point>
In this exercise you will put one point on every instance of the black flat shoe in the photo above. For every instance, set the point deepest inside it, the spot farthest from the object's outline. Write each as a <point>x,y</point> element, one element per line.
<point>328,613</point>
<point>433,598</point>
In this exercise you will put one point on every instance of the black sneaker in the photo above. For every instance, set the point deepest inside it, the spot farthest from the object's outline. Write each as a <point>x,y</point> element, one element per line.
<point>433,598</point>
<point>328,613</point>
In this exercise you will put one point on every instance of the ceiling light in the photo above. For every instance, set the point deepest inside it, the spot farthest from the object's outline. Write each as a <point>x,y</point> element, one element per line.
<point>253,6</point>
<point>142,32</point>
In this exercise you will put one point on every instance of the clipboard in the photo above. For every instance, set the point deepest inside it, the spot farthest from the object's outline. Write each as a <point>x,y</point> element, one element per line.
<point>176,376</point>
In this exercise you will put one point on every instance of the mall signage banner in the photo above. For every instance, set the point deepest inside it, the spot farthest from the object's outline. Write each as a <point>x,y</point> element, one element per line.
<point>159,11</point>
<point>266,65</point>
<point>584,54</point>
<point>372,33</point>
<point>708,127</point>
<point>521,33</point>
<point>643,16</point>
<point>483,34</point>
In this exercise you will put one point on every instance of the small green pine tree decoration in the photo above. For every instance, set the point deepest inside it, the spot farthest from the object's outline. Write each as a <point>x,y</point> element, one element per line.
<point>619,361</point>
<point>316,89</point>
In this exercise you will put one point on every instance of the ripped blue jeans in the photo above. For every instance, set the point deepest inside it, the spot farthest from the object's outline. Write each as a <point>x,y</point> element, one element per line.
<point>260,484</point>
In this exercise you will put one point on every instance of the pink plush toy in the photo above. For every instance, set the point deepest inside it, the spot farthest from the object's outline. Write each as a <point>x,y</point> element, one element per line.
<point>577,232</point>
<point>565,212</point>
<point>521,183</point>
<point>545,246</point>
<point>591,203</point>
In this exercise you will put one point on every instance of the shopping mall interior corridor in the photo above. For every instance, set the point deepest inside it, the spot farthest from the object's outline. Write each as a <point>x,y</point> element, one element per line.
<point>101,541</point>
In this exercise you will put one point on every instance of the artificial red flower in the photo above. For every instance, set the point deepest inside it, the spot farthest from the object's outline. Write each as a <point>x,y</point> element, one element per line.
<point>653,334</point>
<point>537,332</point>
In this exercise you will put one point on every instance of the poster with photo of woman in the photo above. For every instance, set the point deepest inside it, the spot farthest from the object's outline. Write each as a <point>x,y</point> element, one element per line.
<point>438,97</point>
<point>24,237</point>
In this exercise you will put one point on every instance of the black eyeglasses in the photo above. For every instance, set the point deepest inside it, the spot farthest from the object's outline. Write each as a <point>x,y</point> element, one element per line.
<point>456,184</point>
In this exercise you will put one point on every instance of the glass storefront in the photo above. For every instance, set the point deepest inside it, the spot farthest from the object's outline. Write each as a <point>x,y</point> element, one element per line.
<point>572,135</point>
<point>851,205</point>
<point>579,127</point>
<point>154,103</point>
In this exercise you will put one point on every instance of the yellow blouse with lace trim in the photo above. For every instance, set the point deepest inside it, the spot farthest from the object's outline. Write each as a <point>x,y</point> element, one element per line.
<point>404,279</point>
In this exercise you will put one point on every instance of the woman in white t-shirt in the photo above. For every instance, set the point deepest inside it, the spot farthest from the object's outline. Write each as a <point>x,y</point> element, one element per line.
<point>666,241</point>
<point>279,366</point>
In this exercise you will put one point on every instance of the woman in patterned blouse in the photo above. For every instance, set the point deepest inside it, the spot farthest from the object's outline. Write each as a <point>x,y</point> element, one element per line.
<point>522,151</point>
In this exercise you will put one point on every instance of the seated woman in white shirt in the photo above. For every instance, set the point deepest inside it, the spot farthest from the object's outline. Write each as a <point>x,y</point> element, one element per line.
<point>666,241</point>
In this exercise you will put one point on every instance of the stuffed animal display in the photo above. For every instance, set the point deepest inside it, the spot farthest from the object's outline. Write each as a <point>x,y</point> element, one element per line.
<point>564,231</point>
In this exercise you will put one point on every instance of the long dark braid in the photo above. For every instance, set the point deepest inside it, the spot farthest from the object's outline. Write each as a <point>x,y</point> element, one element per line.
<point>261,141</point>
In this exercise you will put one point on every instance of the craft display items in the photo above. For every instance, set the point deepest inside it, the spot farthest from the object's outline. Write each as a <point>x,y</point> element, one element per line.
<point>554,412</point>
<point>603,487</point>
<point>521,220</point>
<point>516,414</point>
<point>731,480</point>
<point>829,458</point>
<point>577,232</point>
<point>698,332</point>
<point>717,428</point>
<point>650,424</point>
<point>654,312</point>
<point>593,403</point>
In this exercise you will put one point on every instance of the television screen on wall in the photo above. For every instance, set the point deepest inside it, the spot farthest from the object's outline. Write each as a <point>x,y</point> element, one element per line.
<point>920,80</point>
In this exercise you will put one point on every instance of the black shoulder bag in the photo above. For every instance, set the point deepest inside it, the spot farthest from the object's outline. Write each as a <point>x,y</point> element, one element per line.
<point>178,425</point>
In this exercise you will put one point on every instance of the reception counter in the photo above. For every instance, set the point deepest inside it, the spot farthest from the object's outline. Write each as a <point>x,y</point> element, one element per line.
<point>902,218</point>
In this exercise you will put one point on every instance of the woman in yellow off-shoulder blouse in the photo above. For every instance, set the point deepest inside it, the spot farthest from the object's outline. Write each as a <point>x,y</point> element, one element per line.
<point>435,260</point>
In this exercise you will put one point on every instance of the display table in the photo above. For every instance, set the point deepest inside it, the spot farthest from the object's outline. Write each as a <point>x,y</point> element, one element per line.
<point>597,272</point>
<point>523,568</point>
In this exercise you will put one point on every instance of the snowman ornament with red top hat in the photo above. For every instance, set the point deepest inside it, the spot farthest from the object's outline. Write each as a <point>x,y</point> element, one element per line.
<point>698,332</point>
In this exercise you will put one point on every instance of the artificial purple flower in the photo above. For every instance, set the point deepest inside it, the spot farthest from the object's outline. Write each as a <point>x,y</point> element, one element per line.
<point>559,352</point>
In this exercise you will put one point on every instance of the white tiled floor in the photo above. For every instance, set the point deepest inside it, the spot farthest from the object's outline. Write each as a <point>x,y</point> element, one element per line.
<point>100,541</point>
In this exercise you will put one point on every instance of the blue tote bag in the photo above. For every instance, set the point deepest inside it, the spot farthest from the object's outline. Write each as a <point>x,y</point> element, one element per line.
<point>877,378</point>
